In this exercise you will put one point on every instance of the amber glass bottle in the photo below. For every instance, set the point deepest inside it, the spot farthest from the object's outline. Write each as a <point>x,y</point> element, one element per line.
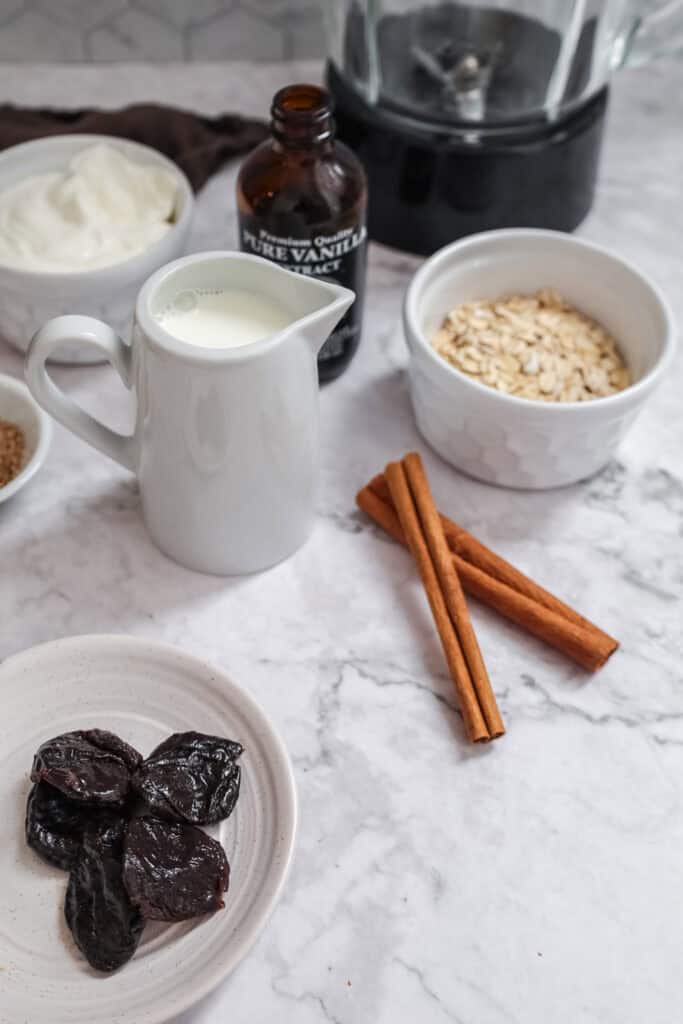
<point>301,198</point>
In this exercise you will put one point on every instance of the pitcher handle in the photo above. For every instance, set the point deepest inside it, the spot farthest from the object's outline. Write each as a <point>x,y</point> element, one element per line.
<point>659,33</point>
<point>87,331</point>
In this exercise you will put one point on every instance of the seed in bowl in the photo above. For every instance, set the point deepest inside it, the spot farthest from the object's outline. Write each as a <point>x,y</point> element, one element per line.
<point>533,346</point>
<point>12,447</point>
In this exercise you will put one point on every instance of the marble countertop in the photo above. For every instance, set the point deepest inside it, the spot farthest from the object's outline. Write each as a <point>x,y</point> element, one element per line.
<point>537,880</point>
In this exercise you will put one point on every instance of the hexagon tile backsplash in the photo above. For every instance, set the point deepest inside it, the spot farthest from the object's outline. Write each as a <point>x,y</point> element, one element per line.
<point>159,30</point>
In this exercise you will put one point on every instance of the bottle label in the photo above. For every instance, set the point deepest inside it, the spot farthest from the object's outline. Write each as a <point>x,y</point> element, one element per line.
<point>337,256</point>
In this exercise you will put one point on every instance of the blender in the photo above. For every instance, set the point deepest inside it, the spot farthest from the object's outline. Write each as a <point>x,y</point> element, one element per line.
<point>470,116</point>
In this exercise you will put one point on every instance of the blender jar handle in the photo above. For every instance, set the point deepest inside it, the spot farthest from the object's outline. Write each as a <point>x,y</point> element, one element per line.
<point>656,34</point>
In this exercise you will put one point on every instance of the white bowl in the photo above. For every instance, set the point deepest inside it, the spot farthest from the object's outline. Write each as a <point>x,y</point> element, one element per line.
<point>517,442</point>
<point>17,406</point>
<point>29,298</point>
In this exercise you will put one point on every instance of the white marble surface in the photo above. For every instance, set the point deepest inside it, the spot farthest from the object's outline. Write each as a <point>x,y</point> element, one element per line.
<point>539,880</point>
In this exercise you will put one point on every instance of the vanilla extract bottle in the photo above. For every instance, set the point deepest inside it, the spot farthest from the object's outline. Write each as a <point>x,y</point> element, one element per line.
<point>302,201</point>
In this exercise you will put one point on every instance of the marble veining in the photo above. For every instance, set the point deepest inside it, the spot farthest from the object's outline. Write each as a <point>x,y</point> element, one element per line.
<point>538,880</point>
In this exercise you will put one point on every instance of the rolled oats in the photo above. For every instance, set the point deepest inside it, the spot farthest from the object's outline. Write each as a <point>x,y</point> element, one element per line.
<point>534,346</point>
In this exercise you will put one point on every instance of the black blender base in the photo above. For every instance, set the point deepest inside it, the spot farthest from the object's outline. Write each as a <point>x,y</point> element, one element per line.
<point>427,190</point>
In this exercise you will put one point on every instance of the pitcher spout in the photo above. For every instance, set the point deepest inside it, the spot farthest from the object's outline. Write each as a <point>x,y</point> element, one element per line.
<point>329,304</point>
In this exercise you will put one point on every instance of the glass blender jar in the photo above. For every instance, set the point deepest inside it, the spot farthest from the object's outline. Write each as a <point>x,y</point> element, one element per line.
<point>470,116</point>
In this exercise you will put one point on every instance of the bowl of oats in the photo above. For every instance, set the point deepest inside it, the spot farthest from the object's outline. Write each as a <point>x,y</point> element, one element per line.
<point>531,354</point>
<point>25,435</point>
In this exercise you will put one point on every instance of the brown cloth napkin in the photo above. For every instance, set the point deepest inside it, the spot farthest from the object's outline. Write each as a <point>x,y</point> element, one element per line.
<point>199,145</point>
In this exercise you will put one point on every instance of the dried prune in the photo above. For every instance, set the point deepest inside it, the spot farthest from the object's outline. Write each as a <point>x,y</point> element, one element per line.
<point>91,765</point>
<point>122,869</point>
<point>105,924</point>
<point>105,834</point>
<point>191,777</point>
<point>55,825</point>
<point>173,871</point>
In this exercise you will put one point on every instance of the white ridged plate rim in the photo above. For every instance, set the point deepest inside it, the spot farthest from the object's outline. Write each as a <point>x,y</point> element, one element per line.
<point>142,690</point>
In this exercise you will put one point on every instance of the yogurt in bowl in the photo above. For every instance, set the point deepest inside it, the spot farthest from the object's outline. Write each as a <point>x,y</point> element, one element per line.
<point>102,209</point>
<point>84,220</point>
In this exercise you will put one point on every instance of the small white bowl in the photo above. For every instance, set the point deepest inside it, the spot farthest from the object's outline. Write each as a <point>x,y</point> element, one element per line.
<point>17,406</point>
<point>29,298</point>
<point>517,442</point>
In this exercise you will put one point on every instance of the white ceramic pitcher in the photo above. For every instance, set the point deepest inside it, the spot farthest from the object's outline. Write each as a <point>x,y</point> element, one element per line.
<point>225,444</point>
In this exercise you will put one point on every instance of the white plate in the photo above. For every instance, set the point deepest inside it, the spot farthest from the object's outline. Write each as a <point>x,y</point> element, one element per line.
<point>143,691</point>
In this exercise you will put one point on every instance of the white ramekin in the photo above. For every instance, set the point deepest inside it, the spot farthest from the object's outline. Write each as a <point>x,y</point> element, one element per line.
<point>518,442</point>
<point>29,298</point>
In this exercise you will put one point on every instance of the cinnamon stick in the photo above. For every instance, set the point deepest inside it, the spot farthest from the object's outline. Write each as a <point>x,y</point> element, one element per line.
<point>468,547</point>
<point>452,590</point>
<point>473,720</point>
<point>587,645</point>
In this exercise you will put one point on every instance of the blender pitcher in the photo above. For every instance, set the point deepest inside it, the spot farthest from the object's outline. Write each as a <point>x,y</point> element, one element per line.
<point>470,116</point>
